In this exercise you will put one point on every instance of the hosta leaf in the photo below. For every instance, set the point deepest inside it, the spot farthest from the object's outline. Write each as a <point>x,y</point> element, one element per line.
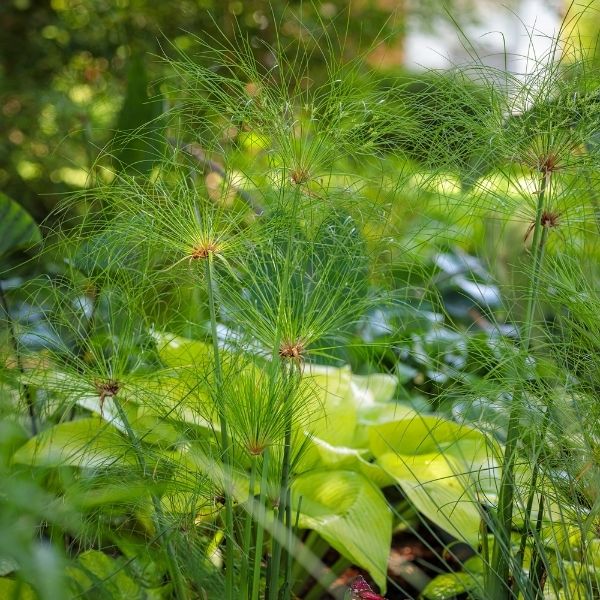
<point>94,568</point>
<point>369,390</point>
<point>176,351</point>
<point>442,467</point>
<point>82,443</point>
<point>177,394</point>
<point>17,227</point>
<point>413,434</point>
<point>351,514</point>
<point>434,485</point>
<point>334,417</point>
<point>14,590</point>
<point>318,452</point>
<point>450,585</point>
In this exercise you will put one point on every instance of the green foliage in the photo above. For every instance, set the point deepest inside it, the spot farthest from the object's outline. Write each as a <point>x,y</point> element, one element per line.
<point>278,329</point>
<point>19,230</point>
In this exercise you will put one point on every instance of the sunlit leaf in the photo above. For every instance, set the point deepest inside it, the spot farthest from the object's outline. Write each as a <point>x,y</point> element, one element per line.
<point>351,514</point>
<point>15,590</point>
<point>177,351</point>
<point>82,443</point>
<point>93,567</point>
<point>432,482</point>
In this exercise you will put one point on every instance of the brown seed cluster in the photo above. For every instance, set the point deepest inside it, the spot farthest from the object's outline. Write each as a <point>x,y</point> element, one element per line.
<point>255,448</point>
<point>549,219</point>
<point>549,163</point>
<point>291,350</point>
<point>299,176</point>
<point>203,251</point>
<point>107,388</point>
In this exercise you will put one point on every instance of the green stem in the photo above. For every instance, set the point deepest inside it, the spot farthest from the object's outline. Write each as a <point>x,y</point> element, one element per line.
<point>225,445</point>
<point>158,516</point>
<point>537,566</point>
<point>246,550</point>
<point>260,532</point>
<point>284,516</point>
<point>318,547</point>
<point>15,342</point>
<point>502,559</point>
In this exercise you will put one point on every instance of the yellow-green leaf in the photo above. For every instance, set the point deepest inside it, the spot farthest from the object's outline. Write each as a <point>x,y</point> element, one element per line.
<point>82,443</point>
<point>351,514</point>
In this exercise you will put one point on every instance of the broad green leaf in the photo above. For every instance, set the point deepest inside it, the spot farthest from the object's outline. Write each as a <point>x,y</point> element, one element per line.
<point>95,569</point>
<point>176,394</point>
<point>124,492</point>
<point>18,230</point>
<point>350,513</point>
<point>415,434</point>
<point>434,485</point>
<point>334,419</point>
<point>14,590</point>
<point>82,443</point>
<point>450,585</point>
<point>442,467</point>
<point>377,414</point>
<point>177,351</point>
<point>318,452</point>
<point>593,552</point>
<point>373,389</point>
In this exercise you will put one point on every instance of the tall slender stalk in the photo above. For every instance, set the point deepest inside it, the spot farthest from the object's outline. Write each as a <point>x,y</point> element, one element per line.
<point>246,549</point>
<point>225,445</point>
<point>15,342</point>
<point>501,559</point>
<point>260,532</point>
<point>536,462</point>
<point>285,505</point>
<point>284,514</point>
<point>158,516</point>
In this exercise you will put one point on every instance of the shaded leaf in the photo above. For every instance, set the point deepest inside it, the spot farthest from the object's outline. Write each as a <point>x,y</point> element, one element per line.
<point>139,139</point>
<point>94,569</point>
<point>18,230</point>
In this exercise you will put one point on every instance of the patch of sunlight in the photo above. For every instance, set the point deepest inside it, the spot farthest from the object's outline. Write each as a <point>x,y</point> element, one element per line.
<point>253,142</point>
<point>108,175</point>
<point>71,176</point>
<point>81,94</point>
<point>28,170</point>
<point>47,120</point>
<point>443,183</point>
<point>237,179</point>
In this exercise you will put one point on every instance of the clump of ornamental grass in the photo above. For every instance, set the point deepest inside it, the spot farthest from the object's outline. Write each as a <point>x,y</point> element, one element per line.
<point>289,300</point>
<point>540,133</point>
<point>97,354</point>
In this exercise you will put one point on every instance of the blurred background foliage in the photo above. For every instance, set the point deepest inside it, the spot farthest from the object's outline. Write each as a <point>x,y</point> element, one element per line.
<point>67,66</point>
